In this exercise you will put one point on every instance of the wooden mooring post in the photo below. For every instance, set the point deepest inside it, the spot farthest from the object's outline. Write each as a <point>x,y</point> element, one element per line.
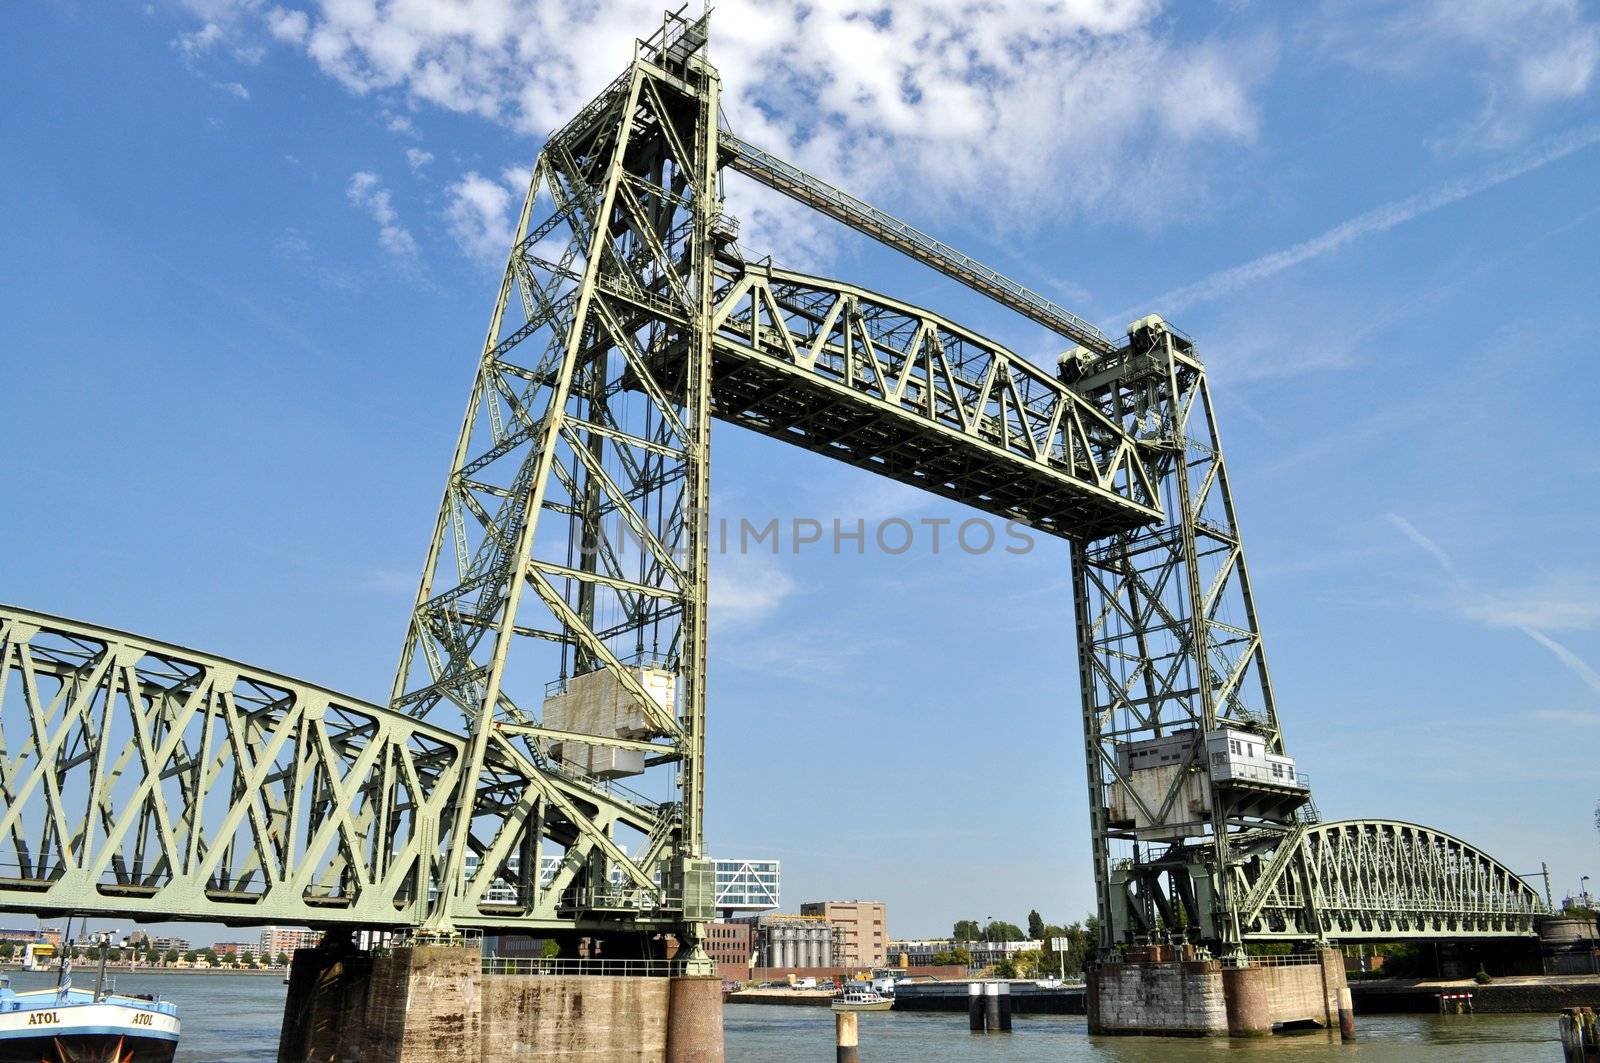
<point>847,1037</point>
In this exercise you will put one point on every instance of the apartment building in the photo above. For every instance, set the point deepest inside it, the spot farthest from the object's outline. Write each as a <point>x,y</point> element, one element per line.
<point>283,940</point>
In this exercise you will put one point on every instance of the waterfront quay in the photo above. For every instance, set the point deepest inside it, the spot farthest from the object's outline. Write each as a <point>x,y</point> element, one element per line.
<point>234,1018</point>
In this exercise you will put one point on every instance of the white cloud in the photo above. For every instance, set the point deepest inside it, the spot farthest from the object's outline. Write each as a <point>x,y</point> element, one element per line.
<point>194,45</point>
<point>479,215</point>
<point>288,26</point>
<point>1577,717</point>
<point>745,589</point>
<point>1544,47</point>
<point>1524,54</point>
<point>232,88</point>
<point>416,158</point>
<point>1533,616</point>
<point>1019,109</point>
<point>367,192</point>
<point>1564,605</point>
<point>1378,220</point>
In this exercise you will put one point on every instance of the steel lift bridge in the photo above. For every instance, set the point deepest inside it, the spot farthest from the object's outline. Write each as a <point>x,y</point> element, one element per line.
<point>539,766</point>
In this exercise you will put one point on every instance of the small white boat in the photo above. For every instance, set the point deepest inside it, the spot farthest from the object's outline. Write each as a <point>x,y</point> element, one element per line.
<point>862,1000</point>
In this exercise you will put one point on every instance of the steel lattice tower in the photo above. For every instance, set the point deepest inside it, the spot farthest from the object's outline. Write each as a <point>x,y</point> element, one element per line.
<point>573,527</point>
<point>1168,644</point>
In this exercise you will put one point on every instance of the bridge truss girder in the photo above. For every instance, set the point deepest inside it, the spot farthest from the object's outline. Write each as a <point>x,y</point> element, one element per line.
<point>900,391</point>
<point>156,782</point>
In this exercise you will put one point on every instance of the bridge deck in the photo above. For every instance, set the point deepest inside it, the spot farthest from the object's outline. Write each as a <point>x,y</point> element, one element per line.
<point>781,400</point>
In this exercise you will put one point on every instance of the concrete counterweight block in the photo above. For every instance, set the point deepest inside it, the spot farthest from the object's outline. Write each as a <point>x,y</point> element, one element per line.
<point>694,1020</point>
<point>1249,999</point>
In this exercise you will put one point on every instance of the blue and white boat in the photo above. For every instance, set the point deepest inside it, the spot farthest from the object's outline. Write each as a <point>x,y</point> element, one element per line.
<point>67,1025</point>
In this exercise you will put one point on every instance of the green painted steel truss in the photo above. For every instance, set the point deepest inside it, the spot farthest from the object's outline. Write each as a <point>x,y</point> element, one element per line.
<point>145,780</point>
<point>569,561</point>
<point>1378,880</point>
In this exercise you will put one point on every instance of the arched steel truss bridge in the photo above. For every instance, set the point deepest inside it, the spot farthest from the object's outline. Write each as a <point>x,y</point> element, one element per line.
<point>1376,879</point>
<point>1345,880</point>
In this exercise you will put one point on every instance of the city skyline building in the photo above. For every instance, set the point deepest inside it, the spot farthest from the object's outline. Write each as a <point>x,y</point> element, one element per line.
<point>795,942</point>
<point>283,940</point>
<point>730,943</point>
<point>921,951</point>
<point>861,931</point>
<point>747,886</point>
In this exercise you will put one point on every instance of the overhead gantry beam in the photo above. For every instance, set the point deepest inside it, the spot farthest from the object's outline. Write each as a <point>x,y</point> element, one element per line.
<point>890,231</point>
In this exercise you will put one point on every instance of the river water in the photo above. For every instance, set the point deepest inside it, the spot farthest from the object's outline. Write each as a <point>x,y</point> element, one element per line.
<point>230,1018</point>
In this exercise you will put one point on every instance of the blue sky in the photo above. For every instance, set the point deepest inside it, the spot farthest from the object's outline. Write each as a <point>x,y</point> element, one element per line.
<point>250,251</point>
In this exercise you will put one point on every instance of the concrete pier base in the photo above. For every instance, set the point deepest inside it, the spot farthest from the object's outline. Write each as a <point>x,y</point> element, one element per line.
<point>425,1005</point>
<point>325,986</point>
<point>1183,999</point>
<point>1248,995</point>
<point>1205,999</point>
<point>433,1004</point>
<point>694,1020</point>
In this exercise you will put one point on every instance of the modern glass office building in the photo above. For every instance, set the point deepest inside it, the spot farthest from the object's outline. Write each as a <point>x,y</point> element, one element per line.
<point>743,886</point>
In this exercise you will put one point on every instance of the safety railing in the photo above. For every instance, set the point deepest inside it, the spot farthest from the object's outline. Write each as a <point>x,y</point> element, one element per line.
<point>1291,959</point>
<point>557,965</point>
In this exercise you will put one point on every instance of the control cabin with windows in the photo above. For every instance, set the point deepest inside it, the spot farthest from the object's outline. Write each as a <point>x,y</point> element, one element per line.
<point>1167,795</point>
